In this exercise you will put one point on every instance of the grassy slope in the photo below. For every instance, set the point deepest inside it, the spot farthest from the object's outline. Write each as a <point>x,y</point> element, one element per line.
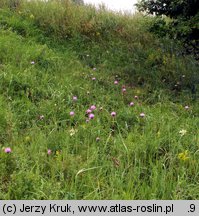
<point>136,158</point>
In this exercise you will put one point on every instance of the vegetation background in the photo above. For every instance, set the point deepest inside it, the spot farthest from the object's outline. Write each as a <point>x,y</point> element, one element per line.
<point>60,62</point>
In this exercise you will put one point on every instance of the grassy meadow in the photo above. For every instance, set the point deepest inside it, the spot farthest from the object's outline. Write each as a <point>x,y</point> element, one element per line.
<point>93,106</point>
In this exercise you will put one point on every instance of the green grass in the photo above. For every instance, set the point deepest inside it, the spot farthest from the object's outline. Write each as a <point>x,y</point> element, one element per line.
<point>135,158</point>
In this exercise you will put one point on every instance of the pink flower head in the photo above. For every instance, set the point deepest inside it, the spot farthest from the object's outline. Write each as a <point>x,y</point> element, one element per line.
<point>93,78</point>
<point>87,120</point>
<point>7,150</point>
<point>136,97</point>
<point>113,114</point>
<point>49,152</point>
<point>93,107</point>
<point>186,107</point>
<point>74,98</point>
<point>142,115</point>
<point>116,82</point>
<point>72,113</point>
<point>88,111</point>
<point>97,139</point>
<point>91,116</point>
<point>32,62</point>
<point>131,104</point>
<point>123,90</point>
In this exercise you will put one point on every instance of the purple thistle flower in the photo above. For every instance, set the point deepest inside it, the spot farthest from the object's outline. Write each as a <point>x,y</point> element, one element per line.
<point>131,104</point>
<point>49,152</point>
<point>93,78</point>
<point>74,98</point>
<point>93,107</point>
<point>72,113</point>
<point>115,82</point>
<point>123,90</point>
<point>142,115</point>
<point>113,114</point>
<point>7,150</point>
<point>88,111</point>
<point>91,116</point>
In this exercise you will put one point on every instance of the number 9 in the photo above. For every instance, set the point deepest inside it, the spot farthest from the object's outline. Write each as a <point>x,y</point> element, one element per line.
<point>192,208</point>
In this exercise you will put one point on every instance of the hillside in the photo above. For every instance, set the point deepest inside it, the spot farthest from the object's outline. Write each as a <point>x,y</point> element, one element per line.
<point>92,106</point>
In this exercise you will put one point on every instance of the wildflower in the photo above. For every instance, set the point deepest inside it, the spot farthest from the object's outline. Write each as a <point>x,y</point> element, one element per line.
<point>131,104</point>
<point>183,156</point>
<point>115,82</point>
<point>94,68</point>
<point>72,113</point>
<point>32,16</point>
<point>142,115</point>
<point>58,152</point>
<point>7,150</point>
<point>49,152</point>
<point>41,117</point>
<point>186,107</point>
<point>136,97</point>
<point>123,90</point>
<point>74,98</point>
<point>32,62</point>
<point>87,120</point>
<point>97,139</point>
<point>113,114</point>
<point>182,132</point>
<point>93,107</point>
<point>91,116</point>
<point>93,78</point>
<point>73,132</point>
<point>88,111</point>
<point>27,139</point>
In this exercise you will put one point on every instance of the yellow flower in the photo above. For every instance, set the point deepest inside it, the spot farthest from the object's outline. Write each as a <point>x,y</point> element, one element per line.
<point>182,132</point>
<point>27,139</point>
<point>73,132</point>
<point>158,133</point>
<point>57,152</point>
<point>32,16</point>
<point>183,156</point>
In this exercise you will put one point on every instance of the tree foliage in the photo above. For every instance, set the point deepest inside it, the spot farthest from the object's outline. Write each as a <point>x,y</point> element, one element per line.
<point>173,9</point>
<point>184,24</point>
<point>80,2</point>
